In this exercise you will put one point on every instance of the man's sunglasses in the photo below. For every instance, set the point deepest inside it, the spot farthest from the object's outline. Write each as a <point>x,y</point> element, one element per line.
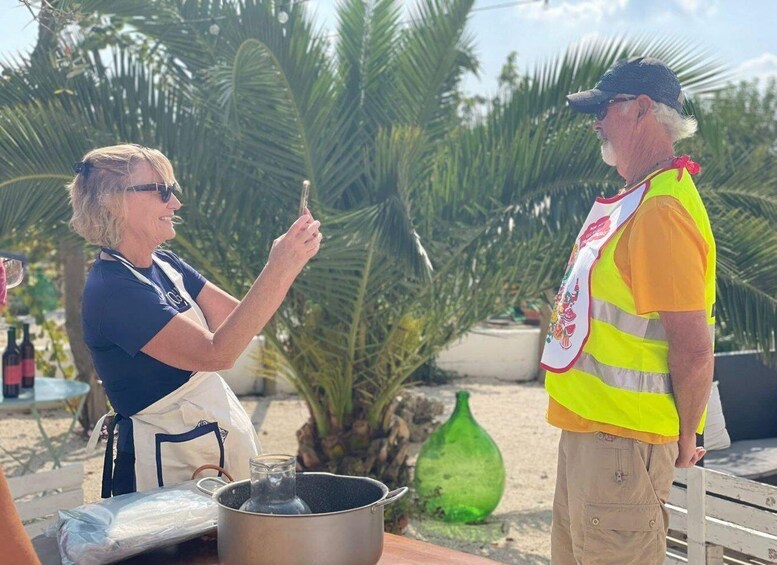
<point>601,112</point>
<point>165,190</point>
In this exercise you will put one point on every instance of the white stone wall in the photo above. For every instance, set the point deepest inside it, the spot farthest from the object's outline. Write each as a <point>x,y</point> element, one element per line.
<point>510,353</point>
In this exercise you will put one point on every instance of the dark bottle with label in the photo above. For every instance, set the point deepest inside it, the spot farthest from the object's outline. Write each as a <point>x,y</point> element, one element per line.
<point>28,359</point>
<point>12,366</point>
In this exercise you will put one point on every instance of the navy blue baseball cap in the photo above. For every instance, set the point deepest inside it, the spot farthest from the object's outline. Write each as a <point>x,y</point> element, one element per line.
<point>640,75</point>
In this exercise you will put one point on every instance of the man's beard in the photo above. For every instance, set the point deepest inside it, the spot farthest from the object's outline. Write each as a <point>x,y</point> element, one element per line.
<point>608,153</point>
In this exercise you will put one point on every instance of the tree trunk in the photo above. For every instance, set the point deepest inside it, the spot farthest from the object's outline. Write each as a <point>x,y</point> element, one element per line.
<point>545,312</point>
<point>70,250</point>
<point>48,28</point>
<point>360,451</point>
<point>72,259</point>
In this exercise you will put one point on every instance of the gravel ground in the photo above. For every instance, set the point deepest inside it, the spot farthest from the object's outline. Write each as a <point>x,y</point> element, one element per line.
<point>518,532</point>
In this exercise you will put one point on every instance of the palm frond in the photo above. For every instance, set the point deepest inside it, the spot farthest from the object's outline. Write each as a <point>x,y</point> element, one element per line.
<point>434,55</point>
<point>747,280</point>
<point>367,44</point>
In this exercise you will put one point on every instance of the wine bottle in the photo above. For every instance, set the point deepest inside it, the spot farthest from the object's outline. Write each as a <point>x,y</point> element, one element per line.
<point>12,366</point>
<point>28,359</point>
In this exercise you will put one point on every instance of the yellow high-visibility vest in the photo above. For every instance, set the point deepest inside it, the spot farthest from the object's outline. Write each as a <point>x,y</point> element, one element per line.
<point>620,373</point>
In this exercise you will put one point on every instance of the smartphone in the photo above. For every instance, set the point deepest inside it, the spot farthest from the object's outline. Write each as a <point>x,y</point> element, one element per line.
<point>303,197</point>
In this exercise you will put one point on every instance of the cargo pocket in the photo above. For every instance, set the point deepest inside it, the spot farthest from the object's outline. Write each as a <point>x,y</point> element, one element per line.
<point>656,464</point>
<point>621,534</point>
<point>178,455</point>
<point>612,463</point>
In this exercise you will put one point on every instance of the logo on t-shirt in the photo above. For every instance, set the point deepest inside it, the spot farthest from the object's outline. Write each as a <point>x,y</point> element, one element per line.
<point>176,299</point>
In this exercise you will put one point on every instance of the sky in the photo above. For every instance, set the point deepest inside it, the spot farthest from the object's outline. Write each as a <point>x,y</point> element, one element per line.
<point>741,33</point>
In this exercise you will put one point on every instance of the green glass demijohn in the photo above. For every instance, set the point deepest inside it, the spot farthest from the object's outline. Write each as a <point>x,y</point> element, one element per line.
<point>459,474</point>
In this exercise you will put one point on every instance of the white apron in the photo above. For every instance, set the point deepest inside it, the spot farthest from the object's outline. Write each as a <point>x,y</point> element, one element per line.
<point>571,318</point>
<point>201,422</point>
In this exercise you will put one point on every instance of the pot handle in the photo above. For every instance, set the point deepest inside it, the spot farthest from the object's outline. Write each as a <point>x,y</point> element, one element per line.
<point>392,496</point>
<point>202,482</point>
<point>215,468</point>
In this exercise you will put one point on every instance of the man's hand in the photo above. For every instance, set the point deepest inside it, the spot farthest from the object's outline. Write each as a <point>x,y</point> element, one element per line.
<point>689,454</point>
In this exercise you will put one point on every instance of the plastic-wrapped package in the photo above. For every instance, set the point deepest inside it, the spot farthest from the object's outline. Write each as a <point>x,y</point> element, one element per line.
<point>122,526</point>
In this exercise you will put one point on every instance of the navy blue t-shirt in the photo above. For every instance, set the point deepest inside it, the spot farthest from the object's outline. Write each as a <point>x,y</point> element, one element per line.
<point>121,314</point>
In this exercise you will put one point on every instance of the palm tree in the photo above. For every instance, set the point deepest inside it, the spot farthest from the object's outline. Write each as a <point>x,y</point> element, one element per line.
<point>739,186</point>
<point>431,224</point>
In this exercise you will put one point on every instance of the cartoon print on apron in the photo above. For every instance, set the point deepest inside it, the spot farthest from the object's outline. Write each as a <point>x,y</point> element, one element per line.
<point>570,321</point>
<point>201,422</point>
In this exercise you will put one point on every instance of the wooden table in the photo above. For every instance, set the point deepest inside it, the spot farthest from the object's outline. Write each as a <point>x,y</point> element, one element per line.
<point>397,550</point>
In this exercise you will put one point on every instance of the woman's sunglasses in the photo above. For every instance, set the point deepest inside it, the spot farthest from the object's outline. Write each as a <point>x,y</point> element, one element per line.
<point>601,113</point>
<point>165,190</point>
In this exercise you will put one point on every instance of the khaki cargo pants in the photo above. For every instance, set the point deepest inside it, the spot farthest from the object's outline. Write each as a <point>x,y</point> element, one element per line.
<point>609,502</point>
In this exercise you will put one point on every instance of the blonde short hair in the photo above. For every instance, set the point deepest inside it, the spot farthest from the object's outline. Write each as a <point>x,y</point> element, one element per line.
<point>97,193</point>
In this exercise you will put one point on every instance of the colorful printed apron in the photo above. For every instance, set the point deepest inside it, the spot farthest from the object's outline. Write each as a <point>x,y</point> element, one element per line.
<point>571,317</point>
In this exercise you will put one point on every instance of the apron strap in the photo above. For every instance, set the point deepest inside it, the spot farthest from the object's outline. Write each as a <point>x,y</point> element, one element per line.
<point>94,437</point>
<point>107,483</point>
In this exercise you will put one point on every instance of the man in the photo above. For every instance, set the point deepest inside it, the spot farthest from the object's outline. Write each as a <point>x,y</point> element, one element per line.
<point>629,352</point>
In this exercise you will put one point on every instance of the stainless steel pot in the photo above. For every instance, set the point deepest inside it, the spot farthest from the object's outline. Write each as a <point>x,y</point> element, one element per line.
<point>345,527</point>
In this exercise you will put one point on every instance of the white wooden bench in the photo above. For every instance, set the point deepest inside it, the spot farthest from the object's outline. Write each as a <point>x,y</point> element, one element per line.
<point>38,496</point>
<point>715,518</point>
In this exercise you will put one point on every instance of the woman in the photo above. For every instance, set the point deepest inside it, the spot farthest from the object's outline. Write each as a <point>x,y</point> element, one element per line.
<point>158,331</point>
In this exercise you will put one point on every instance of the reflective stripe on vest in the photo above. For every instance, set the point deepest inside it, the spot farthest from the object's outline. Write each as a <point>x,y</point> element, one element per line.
<point>622,378</point>
<point>629,323</point>
<point>638,326</point>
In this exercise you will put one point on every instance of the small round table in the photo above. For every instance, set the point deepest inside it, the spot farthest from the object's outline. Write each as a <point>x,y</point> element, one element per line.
<point>48,394</point>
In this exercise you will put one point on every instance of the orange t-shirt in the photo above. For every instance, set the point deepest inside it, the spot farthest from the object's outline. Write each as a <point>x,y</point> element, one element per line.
<point>662,257</point>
